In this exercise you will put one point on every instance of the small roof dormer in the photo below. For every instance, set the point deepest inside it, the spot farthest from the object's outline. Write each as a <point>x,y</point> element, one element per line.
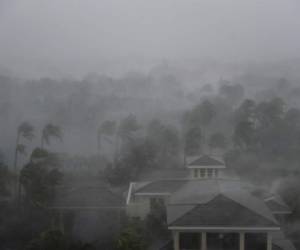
<point>205,166</point>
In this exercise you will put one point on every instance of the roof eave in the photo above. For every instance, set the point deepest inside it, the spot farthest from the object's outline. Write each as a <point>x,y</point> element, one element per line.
<point>222,228</point>
<point>206,167</point>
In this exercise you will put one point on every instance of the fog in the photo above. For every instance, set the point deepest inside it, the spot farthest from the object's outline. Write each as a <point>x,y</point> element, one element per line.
<point>73,37</point>
<point>118,115</point>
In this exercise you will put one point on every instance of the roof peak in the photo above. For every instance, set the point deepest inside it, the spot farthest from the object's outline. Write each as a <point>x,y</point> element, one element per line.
<point>205,160</point>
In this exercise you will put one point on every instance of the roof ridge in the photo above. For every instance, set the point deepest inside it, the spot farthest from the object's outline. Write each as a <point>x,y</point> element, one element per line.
<point>196,206</point>
<point>228,198</point>
<point>254,211</point>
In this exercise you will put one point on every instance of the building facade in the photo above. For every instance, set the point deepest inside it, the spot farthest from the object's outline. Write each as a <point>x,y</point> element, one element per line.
<point>207,210</point>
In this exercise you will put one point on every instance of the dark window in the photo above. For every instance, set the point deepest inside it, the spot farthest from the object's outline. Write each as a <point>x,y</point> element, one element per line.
<point>223,241</point>
<point>255,241</point>
<point>202,173</point>
<point>190,241</point>
<point>209,173</point>
<point>216,172</point>
<point>195,173</point>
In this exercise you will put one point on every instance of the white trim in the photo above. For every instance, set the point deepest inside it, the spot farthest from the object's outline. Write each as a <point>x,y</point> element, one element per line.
<point>87,208</point>
<point>270,198</point>
<point>153,194</point>
<point>226,228</point>
<point>207,167</point>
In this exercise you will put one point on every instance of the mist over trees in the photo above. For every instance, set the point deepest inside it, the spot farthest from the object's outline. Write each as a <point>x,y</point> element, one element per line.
<point>62,135</point>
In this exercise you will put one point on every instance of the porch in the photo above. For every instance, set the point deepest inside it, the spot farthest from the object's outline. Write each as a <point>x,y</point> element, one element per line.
<point>222,240</point>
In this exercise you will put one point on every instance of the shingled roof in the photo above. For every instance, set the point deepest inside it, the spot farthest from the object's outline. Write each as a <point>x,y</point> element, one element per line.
<point>277,207</point>
<point>162,186</point>
<point>222,211</point>
<point>197,194</point>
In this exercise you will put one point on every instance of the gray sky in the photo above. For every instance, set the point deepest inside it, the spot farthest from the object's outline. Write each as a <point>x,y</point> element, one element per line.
<point>77,36</point>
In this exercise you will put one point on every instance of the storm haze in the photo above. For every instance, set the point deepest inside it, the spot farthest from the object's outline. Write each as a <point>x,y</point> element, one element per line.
<point>74,37</point>
<point>149,124</point>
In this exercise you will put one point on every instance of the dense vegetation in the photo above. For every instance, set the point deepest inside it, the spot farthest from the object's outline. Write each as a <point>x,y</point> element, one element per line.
<point>125,129</point>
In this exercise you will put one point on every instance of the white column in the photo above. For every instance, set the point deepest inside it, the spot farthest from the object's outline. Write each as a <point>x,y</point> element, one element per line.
<point>203,241</point>
<point>242,241</point>
<point>269,241</point>
<point>176,240</point>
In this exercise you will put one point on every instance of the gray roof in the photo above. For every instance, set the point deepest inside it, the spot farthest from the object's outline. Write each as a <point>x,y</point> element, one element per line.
<point>281,242</point>
<point>277,207</point>
<point>165,174</point>
<point>197,192</point>
<point>222,211</point>
<point>162,186</point>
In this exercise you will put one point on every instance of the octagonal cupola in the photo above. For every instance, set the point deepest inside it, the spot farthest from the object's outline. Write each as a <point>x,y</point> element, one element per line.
<point>205,166</point>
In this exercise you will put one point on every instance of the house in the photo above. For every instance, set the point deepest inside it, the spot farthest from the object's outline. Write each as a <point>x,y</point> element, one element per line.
<point>89,210</point>
<point>206,209</point>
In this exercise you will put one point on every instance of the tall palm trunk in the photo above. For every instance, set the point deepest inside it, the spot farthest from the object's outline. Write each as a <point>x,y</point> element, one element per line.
<point>15,165</point>
<point>16,153</point>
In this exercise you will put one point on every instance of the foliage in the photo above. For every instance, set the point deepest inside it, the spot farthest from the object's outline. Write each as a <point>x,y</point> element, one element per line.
<point>164,140</point>
<point>267,127</point>
<point>50,131</point>
<point>139,157</point>
<point>107,128</point>
<point>39,177</point>
<point>245,112</point>
<point>217,140</point>
<point>132,237</point>
<point>193,141</point>
<point>127,126</point>
<point>5,179</point>
<point>201,115</point>
<point>26,130</point>
<point>49,240</point>
<point>244,134</point>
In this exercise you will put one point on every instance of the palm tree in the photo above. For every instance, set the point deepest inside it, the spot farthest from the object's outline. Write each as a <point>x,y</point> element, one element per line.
<point>125,130</point>
<point>25,131</point>
<point>50,131</point>
<point>107,128</point>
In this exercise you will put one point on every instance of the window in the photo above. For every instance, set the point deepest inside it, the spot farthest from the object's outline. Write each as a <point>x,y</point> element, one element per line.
<point>225,241</point>
<point>255,241</point>
<point>202,172</point>
<point>195,173</point>
<point>216,172</point>
<point>209,173</point>
<point>190,241</point>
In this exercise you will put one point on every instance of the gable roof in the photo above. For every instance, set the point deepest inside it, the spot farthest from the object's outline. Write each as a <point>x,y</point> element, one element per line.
<point>200,192</point>
<point>277,207</point>
<point>280,242</point>
<point>222,211</point>
<point>205,161</point>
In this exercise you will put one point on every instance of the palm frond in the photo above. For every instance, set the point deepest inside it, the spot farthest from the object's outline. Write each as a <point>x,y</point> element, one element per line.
<point>53,131</point>
<point>26,130</point>
<point>21,148</point>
